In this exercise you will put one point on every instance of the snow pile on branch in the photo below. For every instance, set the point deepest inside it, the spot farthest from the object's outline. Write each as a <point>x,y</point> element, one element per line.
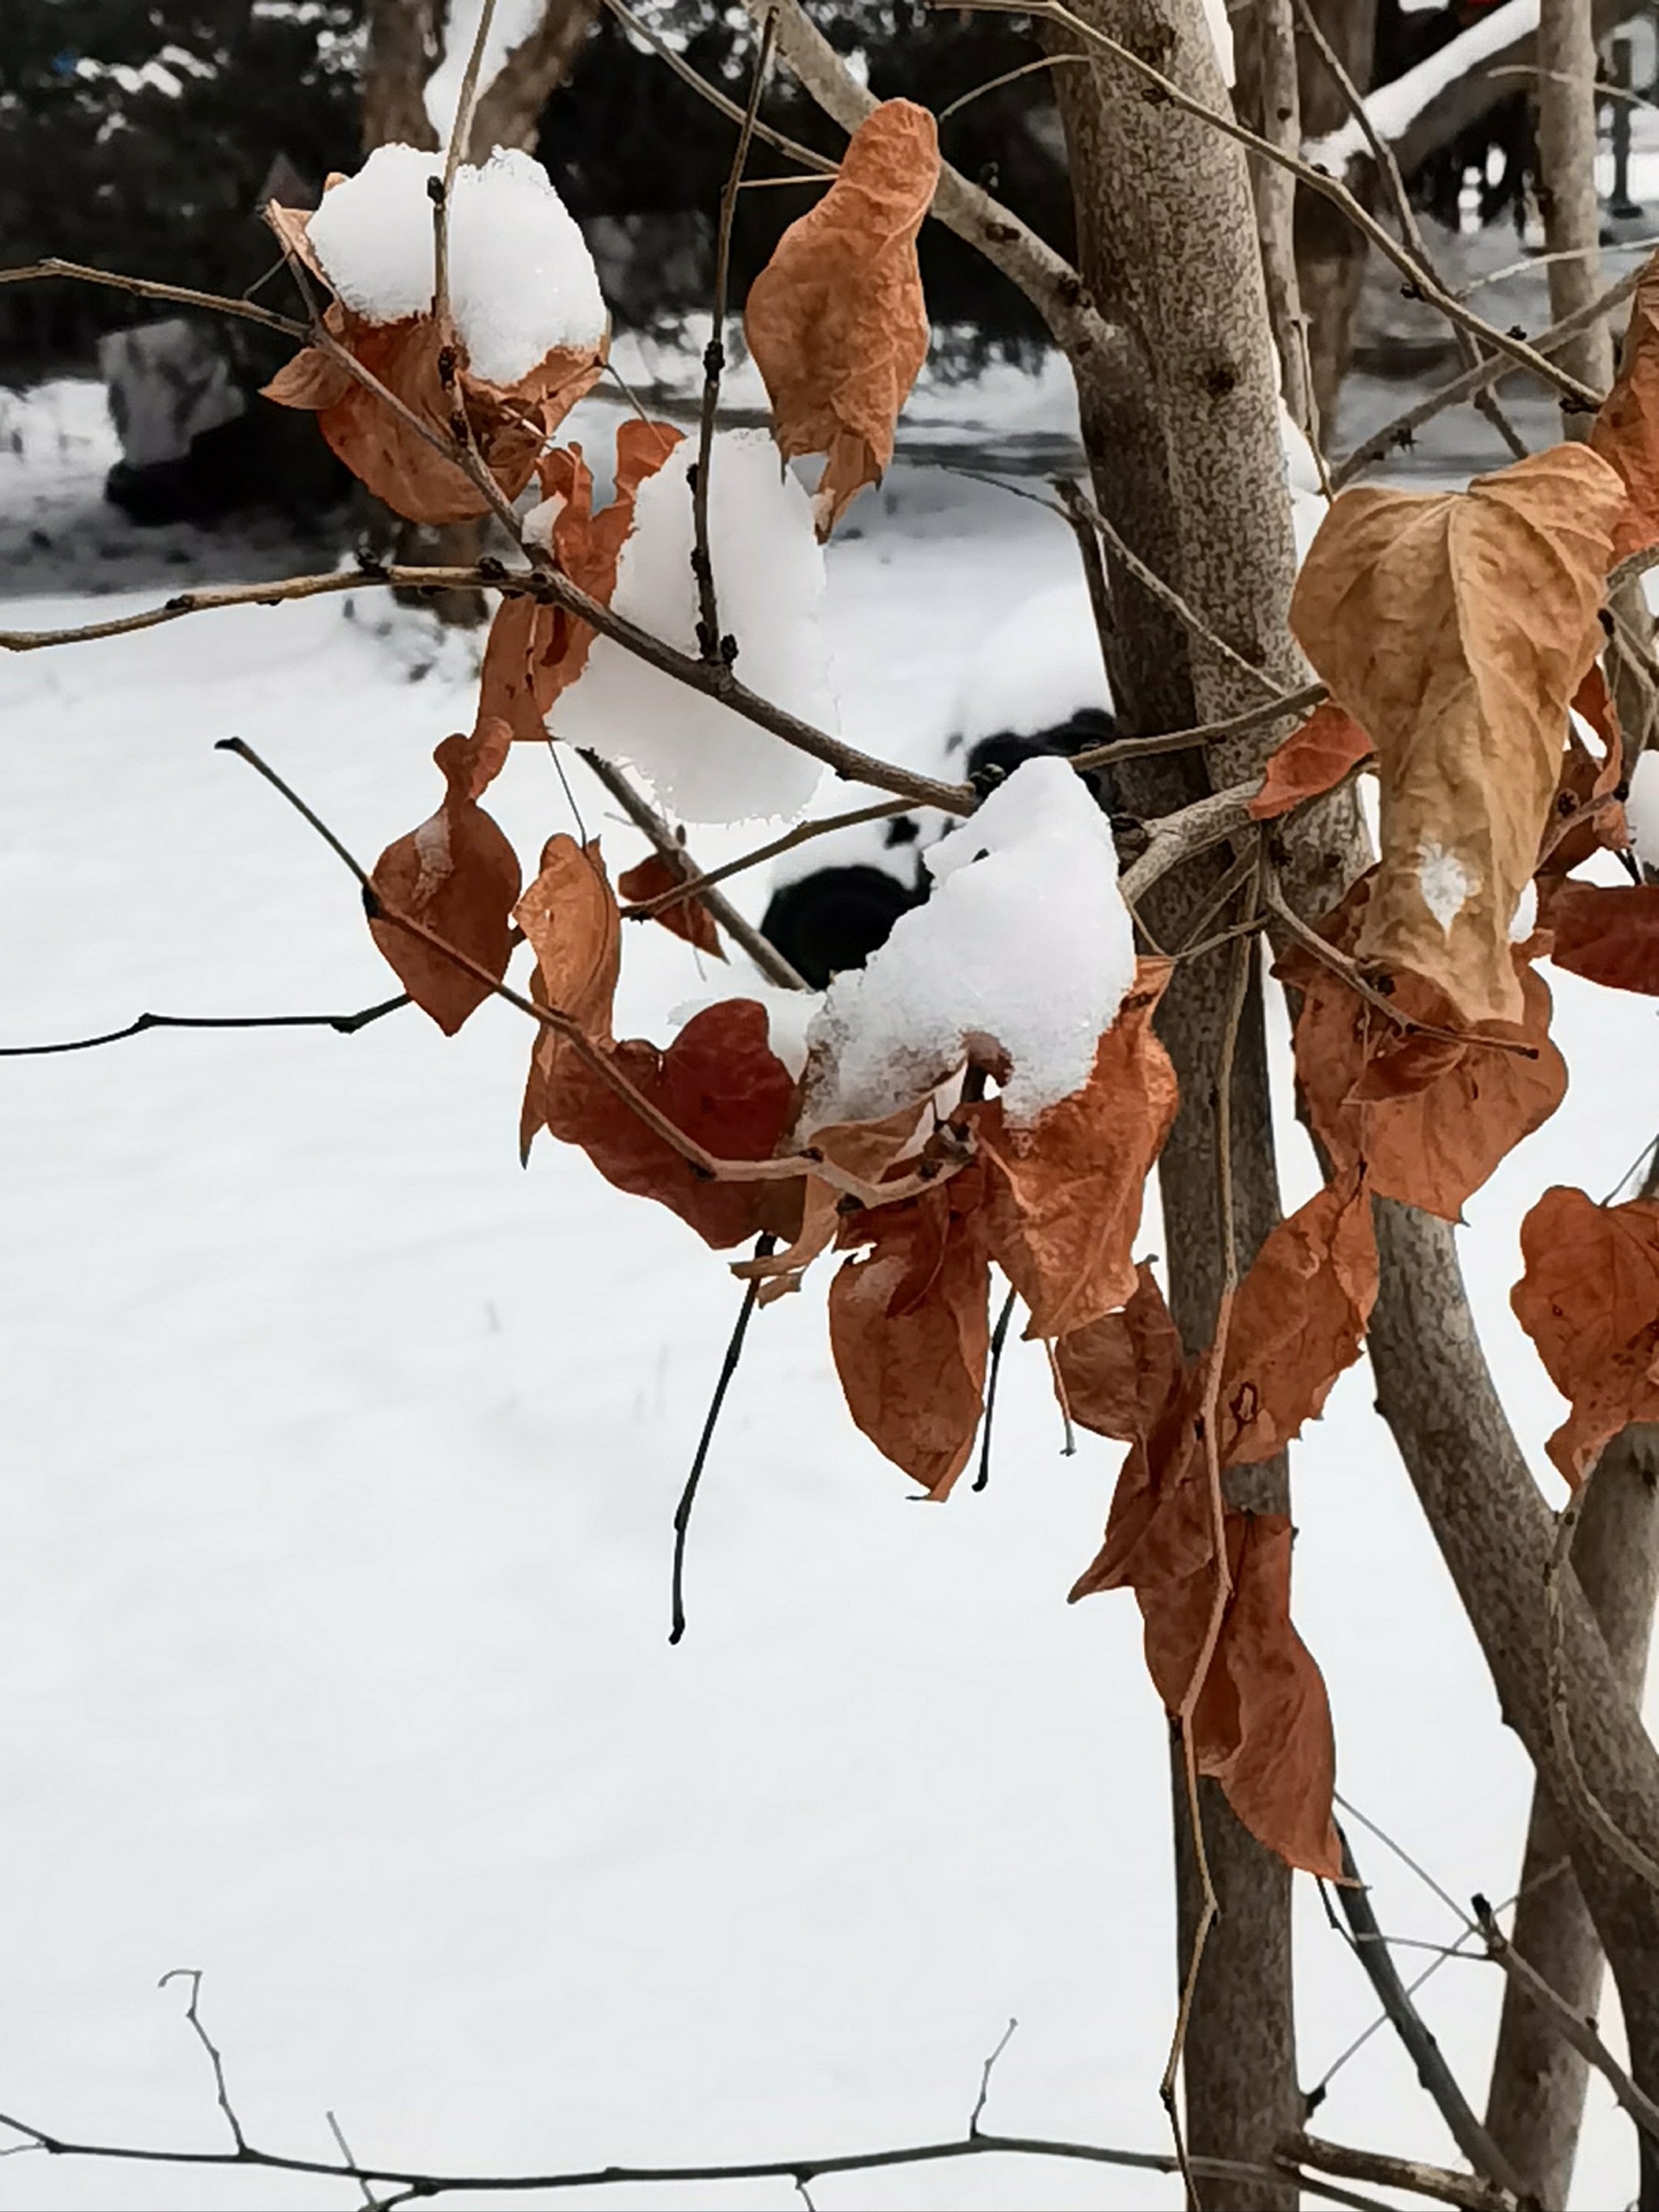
<point>705,762</point>
<point>1025,943</point>
<point>1394,108</point>
<point>521,280</point>
<point>512,22</point>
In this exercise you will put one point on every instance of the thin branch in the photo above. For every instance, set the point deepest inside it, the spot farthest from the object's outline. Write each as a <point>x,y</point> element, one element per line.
<point>346,2152</point>
<point>1009,77</point>
<point>806,156</point>
<point>709,642</point>
<point>1438,2182</point>
<point>1580,2033</point>
<point>207,598</point>
<point>1411,230</point>
<point>181,294</point>
<point>1095,578</point>
<point>998,1338</point>
<point>193,2013</point>
<point>764,1244</point>
<point>1299,701</point>
<point>347,1025</point>
<point>1318,180</point>
<point>1209,821</point>
<point>802,833</point>
<point>986,2071</point>
<point>1436,2076</point>
<point>1463,386</point>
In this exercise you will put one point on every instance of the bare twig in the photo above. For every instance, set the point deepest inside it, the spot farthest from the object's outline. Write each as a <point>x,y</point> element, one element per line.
<point>1009,77</point>
<point>764,1245</point>
<point>806,156</point>
<point>193,2013</point>
<point>338,2133</point>
<point>802,834</point>
<point>182,296</point>
<point>1369,1948</point>
<point>998,1338</point>
<point>347,1024</point>
<point>986,2071</point>
<point>1299,701</point>
<point>709,642</point>
<point>1196,829</point>
<point>1580,2033</point>
<point>1438,2182</point>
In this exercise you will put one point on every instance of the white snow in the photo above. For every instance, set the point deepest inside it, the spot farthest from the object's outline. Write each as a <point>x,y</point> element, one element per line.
<point>1035,667</point>
<point>1395,107</point>
<point>1445,882</point>
<point>1221,31</point>
<point>1524,919</point>
<point>512,22</point>
<point>1018,887</point>
<point>1308,500</point>
<point>1642,809</point>
<point>705,762</point>
<point>521,279</point>
<point>340,1462</point>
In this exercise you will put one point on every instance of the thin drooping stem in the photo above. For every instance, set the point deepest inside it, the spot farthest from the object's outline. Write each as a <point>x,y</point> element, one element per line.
<point>346,1024</point>
<point>994,1370</point>
<point>696,886</point>
<point>181,295</point>
<point>709,642</point>
<point>763,1246</point>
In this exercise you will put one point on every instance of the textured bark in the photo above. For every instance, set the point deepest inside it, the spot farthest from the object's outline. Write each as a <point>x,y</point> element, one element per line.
<point>1566,189</point>
<point>1496,1534</point>
<point>1185,461</point>
<point>1267,85</point>
<point>1330,254</point>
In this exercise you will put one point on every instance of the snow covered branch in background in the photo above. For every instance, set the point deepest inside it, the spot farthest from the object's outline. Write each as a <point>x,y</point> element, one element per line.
<point>513,23</point>
<point>1392,109</point>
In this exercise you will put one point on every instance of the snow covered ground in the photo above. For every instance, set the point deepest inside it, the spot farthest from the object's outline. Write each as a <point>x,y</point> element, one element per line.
<point>334,1537</point>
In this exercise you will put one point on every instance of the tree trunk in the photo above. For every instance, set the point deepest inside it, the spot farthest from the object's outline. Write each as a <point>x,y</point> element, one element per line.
<point>1496,1534</point>
<point>1267,88</point>
<point>1566,189</point>
<point>1330,254</point>
<point>1187,463</point>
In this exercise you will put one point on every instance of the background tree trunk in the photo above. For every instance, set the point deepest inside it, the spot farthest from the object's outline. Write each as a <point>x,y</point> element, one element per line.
<point>1330,254</point>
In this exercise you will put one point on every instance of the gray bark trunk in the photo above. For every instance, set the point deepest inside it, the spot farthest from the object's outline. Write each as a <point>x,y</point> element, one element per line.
<point>1330,254</point>
<point>1566,188</point>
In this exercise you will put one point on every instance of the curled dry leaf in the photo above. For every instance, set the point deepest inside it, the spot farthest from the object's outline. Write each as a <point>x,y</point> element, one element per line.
<point>1587,817</point>
<point>688,918</point>
<point>1261,1725</point>
<point>1625,431</point>
<point>1607,932</point>
<point>1297,1320</point>
<point>509,423</point>
<point>1590,1301</point>
<point>535,652</point>
<point>1429,1117</point>
<point>1122,1372</point>
<point>836,321</point>
<point>1313,759</point>
<point>569,915</point>
<point>909,1327</point>
<point>458,877</point>
<point>1457,627</point>
<point>865,1149</point>
<point>1063,1196</point>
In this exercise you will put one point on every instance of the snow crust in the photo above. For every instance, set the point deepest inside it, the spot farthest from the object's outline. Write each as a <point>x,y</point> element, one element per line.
<point>1395,107</point>
<point>705,762</point>
<point>1642,809</point>
<point>521,279</point>
<point>1021,889</point>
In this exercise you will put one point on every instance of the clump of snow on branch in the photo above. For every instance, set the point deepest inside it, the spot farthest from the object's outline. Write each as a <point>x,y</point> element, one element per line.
<point>521,280</point>
<point>1025,942</point>
<point>1642,809</point>
<point>705,762</point>
<point>512,22</point>
<point>1395,107</point>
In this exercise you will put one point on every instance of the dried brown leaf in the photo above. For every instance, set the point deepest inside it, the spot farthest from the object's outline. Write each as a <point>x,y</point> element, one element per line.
<point>1297,1320</point>
<point>688,918</point>
<point>1312,759</point>
<point>1063,1197</point>
<point>836,321</point>
<point>1430,1118</point>
<point>535,652</point>
<point>864,1149</point>
<point>1607,932</point>
<point>1457,627</point>
<point>1590,1301</point>
<point>1122,1372</point>
<point>569,917</point>
<point>458,877</point>
<point>1626,432</point>
<point>909,1327</point>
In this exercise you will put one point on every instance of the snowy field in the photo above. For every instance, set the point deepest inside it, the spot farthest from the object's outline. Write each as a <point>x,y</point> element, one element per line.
<point>335,1534</point>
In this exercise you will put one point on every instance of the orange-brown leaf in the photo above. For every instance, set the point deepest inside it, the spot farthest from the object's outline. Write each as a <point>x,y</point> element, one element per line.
<point>1312,759</point>
<point>1590,1301</point>
<point>909,1327</point>
<point>864,1149</point>
<point>569,917</point>
<point>1457,627</point>
<point>1607,932</point>
<point>719,1084</point>
<point>1297,1320</point>
<point>535,652</point>
<point>1122,1372</point>
<point>1063,1197</point>
<point>688,918</point>
<point>1261,1725</point>
<point>1586,786</point>
<point>836,321</point>
<point>458,877</point>
<point>1429,1117</point>
<point>1626,432</point>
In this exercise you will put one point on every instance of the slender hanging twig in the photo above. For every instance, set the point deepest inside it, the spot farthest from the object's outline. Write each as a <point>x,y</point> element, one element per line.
<point>763,1246</point>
